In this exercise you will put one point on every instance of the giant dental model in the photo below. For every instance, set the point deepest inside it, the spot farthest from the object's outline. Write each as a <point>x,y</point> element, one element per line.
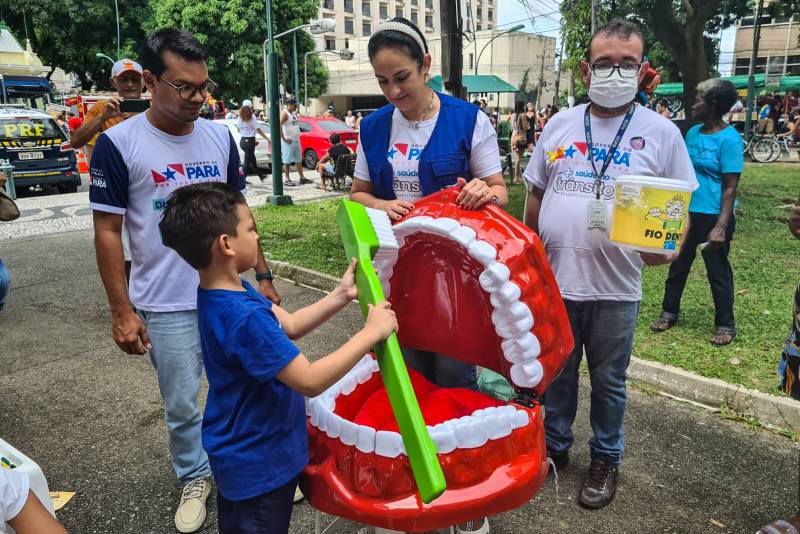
<point>474,285</point>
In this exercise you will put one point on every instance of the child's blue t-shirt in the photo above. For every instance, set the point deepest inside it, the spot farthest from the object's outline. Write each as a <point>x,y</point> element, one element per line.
<point>254,427</point>
<point>712,156</point>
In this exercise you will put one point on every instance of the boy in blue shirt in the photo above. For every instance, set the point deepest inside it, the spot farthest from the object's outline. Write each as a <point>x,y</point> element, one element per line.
<point>254,427</point>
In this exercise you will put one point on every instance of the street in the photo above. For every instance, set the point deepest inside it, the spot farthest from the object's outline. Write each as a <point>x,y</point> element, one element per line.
<point>91,417</point>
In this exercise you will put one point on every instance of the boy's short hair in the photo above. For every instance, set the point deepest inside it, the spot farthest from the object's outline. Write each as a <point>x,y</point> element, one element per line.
<point>334,139</point>
<point>195,216</point>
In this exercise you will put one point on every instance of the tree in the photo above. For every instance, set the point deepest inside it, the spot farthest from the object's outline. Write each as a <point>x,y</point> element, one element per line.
<point>233,32</point>
<point>69,33</point>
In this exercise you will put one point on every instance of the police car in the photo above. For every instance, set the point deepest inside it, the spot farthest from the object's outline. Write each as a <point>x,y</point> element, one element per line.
<point>38,149</point>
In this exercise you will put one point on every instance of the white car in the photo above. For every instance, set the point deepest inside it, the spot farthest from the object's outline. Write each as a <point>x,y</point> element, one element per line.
<point>263,148</point>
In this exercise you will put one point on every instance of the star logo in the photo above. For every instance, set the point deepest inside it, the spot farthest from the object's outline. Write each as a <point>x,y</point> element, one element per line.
<point>391,153</point>
<point>556,154</point>
<point>570,152</point>
<point>170,174</point>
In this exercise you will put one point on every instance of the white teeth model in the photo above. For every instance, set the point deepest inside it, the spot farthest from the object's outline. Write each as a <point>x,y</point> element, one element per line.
<point>511,317</point>
<point>386,255</point>
<point>466,432</point>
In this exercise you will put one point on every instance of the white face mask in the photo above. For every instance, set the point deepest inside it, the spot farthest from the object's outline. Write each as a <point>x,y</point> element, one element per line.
<point>614,91</point>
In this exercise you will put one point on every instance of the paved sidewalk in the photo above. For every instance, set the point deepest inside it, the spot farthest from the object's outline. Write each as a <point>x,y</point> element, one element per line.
<point>51,214</point>
<point>91,416</point>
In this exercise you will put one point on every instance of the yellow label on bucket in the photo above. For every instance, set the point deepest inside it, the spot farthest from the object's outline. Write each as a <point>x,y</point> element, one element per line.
<point>649,218</point>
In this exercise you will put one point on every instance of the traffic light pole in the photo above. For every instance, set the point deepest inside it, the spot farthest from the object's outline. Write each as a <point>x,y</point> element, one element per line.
<point>277,196</point>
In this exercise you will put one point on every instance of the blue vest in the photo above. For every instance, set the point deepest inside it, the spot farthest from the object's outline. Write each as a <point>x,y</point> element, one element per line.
<point>444,158</point>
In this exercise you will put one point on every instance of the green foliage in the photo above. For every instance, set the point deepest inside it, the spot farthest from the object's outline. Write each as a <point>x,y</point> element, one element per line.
<point>233,32</point>
<point>69,33</point>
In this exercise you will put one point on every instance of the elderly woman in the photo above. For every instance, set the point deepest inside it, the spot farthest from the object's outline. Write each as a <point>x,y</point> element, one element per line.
<point>716,152</point>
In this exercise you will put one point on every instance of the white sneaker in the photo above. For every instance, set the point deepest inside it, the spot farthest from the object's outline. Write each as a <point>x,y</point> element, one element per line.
<point>191,512</point>
<point>472,526</point>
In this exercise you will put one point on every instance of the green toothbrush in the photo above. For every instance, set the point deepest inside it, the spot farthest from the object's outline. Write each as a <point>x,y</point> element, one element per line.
<point>367,234</point>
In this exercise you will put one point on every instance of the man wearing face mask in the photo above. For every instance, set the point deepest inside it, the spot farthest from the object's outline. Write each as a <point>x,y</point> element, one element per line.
<point>570,180</point>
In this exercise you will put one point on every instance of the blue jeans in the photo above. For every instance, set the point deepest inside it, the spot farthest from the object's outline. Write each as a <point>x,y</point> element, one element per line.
<point>178,361</point>
<point>269,513</point>
<point>5,281</point>
<point>442,370</point>
<point>605,330</point>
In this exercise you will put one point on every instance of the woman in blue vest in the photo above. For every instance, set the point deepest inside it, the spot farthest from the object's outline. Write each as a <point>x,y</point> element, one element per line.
<point>419,143</point>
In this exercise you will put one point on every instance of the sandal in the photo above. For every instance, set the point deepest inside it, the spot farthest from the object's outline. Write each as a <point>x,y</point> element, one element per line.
<point>663,323</point>
<point>722,331</point>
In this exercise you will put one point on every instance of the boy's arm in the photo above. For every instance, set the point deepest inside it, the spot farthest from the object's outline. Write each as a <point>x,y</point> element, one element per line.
<point>304,320</point>
<point>35,519</point>
<point>311,379</point>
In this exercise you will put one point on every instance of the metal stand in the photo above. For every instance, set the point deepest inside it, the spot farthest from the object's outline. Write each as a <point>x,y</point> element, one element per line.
<point>338,525</point>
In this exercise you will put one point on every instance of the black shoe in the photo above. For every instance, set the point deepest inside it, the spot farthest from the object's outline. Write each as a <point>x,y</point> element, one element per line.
<point>600,486</point>
<point>560,459</point>
<point>306,181</point>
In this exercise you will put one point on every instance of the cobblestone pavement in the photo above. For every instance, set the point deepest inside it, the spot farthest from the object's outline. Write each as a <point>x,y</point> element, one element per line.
<point>51,214</point>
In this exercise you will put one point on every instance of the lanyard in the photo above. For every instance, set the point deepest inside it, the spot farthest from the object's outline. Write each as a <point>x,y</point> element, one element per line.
<point>587,126</point>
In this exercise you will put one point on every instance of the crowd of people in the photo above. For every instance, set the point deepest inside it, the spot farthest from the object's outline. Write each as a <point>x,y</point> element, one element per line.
<point>182,300</point>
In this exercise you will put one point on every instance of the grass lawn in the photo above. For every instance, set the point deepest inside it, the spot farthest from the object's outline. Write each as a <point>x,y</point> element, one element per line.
<point>765,259</point>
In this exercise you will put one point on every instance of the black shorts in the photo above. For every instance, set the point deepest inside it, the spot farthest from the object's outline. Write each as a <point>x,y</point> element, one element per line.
<point>268,513</point>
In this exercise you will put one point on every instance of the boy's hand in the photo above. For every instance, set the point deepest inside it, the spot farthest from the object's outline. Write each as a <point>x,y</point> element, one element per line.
<point>347,286</point>
<point>381,320</point>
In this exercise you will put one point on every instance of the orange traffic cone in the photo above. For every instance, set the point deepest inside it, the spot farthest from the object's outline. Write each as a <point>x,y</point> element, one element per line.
<point>83,165</point>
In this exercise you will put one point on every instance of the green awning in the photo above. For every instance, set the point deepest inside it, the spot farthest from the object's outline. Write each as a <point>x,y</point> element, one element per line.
<point>740,82</point>
<point>478,83</point>
<point>790,83</point>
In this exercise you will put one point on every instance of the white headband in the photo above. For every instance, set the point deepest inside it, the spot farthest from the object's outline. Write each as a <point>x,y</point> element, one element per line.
<point>402,28</point>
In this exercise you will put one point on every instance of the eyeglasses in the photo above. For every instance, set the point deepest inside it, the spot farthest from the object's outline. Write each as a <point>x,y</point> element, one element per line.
<point>187,91</point>
<point>626,70</point>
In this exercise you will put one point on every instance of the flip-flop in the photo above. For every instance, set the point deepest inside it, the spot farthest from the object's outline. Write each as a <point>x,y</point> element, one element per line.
<point>662,324</point>
<point>723,331</point>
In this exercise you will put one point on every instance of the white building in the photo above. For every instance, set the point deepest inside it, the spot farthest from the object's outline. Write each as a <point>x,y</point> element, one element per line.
<point>352,84</point>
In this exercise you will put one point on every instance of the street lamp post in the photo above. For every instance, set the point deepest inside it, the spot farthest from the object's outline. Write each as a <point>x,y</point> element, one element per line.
<point>344,54</point>
<point>271,93</point>
<point>515,28</point>
<point>116,10</point>
<point>100,54</point>
<point>317,27</point>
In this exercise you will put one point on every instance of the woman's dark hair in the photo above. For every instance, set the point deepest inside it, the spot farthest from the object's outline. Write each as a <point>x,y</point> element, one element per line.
<point>179,42</point>
<point>519,106</point>
<point>719,96</point>
<point>399,41</point>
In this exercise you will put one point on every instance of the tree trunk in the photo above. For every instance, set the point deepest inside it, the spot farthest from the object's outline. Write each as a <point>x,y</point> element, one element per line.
<point>694,65</point>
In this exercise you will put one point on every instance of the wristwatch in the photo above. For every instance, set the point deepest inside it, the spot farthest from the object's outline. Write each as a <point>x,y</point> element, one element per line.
<point>266,275</point>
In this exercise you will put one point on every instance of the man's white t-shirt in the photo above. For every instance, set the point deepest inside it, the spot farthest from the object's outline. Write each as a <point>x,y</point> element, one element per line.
<point>350,120</point>
<point>247,128</point>
<point>586,264</point>
<point>14,489</point>
<point>135,167</point>
<point>406,144</point>
<point>291,128</point>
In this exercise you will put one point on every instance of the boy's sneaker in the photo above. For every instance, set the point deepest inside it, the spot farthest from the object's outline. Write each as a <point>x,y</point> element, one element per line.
<point>600,486</point>
<point>191,512</point>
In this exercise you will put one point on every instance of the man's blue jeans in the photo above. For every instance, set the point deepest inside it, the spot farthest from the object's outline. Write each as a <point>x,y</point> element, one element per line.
<point>442,370</point>
<point>178,361</point>
<point>5,281</point>
<point>605,330</point>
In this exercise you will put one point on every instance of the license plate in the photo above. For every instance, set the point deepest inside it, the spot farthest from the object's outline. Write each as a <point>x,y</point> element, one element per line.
<point>350,141</point>
<point>31,155</point>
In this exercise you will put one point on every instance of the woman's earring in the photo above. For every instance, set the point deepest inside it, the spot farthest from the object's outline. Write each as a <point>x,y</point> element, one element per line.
<point>426,77</point>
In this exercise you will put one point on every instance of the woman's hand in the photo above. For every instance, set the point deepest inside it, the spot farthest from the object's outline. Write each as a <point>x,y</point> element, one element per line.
<point>474,194</point>
<point>715,239</point>
<point>397,208</point>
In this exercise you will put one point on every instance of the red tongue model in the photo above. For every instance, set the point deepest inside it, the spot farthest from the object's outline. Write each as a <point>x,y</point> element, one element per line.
<point>474,285</point>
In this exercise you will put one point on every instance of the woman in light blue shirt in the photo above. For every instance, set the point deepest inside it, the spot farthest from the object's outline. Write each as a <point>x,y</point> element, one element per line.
<point>716,152</point>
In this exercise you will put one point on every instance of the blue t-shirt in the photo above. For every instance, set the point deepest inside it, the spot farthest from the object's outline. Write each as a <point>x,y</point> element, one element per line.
<point>254,427</point>
<point>712,156</point>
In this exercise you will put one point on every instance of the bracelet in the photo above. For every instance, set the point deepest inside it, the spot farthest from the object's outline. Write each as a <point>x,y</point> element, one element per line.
<point>266,275</point>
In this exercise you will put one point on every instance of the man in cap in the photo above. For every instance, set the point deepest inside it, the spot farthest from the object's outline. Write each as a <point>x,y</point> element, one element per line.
<point>126,77</point>
<point>290,142</point>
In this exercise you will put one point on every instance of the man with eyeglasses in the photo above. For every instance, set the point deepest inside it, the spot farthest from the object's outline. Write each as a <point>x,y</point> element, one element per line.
<point>135,167</point>
<point>570,180</point>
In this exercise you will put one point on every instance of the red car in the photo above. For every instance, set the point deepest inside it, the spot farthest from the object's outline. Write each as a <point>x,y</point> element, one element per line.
<point>314,137</point>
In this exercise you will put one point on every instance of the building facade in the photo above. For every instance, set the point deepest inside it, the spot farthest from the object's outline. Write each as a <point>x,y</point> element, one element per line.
<point>778,51</point>
<point>352,84</point>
